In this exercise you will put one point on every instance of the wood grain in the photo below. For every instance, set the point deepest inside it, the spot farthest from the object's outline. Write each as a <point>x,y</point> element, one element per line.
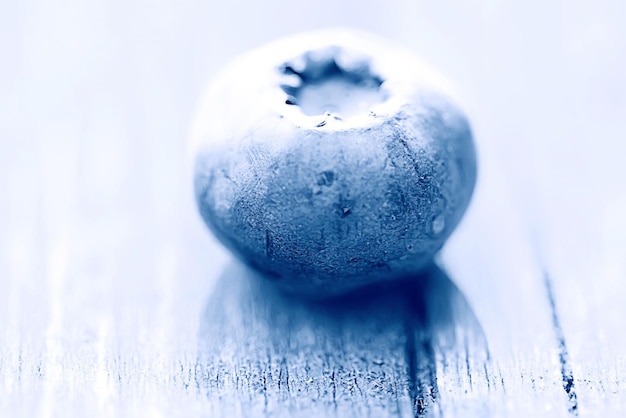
<point>372,353</point>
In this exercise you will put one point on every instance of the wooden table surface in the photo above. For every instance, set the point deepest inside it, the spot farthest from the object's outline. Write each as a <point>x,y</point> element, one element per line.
<point>115,300</point>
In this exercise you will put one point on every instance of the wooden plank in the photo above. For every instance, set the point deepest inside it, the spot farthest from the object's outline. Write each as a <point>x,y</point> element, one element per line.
<point>493,260</point>
<point>373,353</point>
<point>584,255</point>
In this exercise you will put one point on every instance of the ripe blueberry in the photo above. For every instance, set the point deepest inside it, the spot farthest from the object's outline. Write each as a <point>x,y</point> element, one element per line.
<point>331,160</point>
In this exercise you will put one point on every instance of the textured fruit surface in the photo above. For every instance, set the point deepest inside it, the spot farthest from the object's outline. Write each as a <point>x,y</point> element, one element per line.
<point>332,160</point>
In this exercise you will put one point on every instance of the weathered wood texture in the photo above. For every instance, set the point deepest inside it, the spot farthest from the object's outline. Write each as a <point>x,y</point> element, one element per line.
<point>115,301</point>
<point>376,352</point>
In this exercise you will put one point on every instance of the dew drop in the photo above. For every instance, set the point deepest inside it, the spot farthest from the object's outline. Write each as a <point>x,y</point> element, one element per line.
<point>439,223</point>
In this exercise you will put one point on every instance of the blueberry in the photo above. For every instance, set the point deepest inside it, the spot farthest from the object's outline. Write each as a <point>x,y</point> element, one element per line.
<point>331,160</point>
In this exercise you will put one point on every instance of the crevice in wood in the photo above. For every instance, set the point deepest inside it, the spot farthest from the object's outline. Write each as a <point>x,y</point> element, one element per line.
<point>411,359</point>
<point>420,355</point>
<point>567,374</point>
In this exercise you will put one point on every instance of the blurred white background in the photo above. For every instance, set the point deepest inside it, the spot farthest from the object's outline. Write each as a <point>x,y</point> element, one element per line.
<point>97,100</point>
<point>88,87</point>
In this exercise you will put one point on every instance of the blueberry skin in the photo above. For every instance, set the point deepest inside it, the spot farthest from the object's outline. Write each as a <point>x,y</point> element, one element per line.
<point>330,211</point>
<point>326,203</point>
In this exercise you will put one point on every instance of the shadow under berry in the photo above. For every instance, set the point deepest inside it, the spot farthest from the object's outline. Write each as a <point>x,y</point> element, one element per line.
<point>372,352</point>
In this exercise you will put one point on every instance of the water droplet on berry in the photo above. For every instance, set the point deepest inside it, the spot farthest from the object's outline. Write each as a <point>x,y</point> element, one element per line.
<point>439,223</point>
